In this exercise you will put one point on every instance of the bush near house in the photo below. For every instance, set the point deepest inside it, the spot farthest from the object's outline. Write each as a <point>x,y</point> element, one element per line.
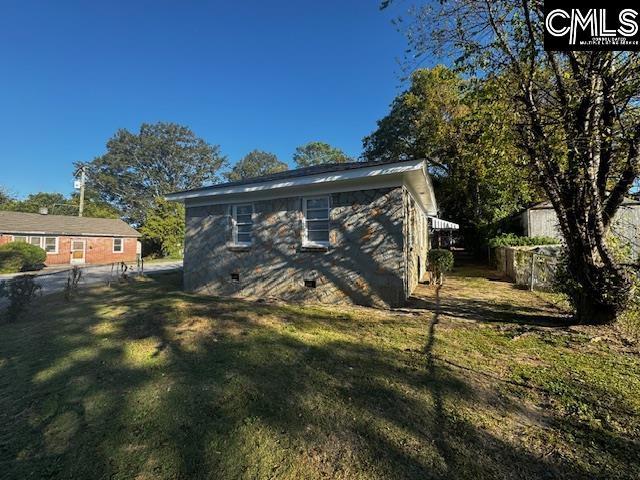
<point>20,256</point>
<point>440,261</point>
<point>511,240</point>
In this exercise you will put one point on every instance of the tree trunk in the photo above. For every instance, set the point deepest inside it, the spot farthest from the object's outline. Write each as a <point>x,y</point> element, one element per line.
<point>602,287</point>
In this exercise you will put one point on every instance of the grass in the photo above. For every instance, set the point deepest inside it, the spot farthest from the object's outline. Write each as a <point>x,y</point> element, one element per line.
<point>475,380</point>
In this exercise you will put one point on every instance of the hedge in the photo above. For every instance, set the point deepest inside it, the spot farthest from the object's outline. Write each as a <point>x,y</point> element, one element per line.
<point>20,256</point>
<point>511,240</point>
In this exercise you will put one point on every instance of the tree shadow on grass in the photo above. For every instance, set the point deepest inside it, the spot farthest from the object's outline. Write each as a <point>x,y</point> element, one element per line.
<point>491,311</point>
<point>174,385</point>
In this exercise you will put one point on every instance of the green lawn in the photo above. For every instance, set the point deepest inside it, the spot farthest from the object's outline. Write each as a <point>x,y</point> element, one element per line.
<point>144,381</point>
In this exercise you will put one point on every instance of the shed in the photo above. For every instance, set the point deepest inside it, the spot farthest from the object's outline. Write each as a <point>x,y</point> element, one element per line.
<point>540,220</point>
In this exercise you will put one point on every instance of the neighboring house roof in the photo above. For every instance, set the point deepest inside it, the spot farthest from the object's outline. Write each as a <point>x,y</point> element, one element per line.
<point>321,179</point>
<point>38,224</point>
<point>547,204</point>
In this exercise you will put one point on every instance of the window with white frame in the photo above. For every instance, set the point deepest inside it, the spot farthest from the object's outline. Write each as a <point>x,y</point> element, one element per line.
<point>316,221</point>
<point>50,244</point>
<point>118,245</point>
<point>242,224</point>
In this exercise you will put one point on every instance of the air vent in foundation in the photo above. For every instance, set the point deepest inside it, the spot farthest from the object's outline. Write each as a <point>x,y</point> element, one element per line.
<point>310,283</point>
<point>235,277</point>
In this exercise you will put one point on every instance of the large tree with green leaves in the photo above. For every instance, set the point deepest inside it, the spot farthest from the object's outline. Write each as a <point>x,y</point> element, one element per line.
<point>255,164</point>
<point>163,230</point>
<point>140,167</point>
<point>317,153</point>
<point>578,122</point>
<point>54,202</point>
<point>5,196</point>
<point>464,131</point>
<point>58,204</point>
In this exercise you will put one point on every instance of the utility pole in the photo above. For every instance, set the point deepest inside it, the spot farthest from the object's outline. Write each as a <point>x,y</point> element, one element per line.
<point>81,171</point>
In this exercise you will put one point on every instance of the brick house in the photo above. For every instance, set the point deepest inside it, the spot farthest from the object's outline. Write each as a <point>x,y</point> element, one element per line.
<point>72,240</point>
<point>353,232</point>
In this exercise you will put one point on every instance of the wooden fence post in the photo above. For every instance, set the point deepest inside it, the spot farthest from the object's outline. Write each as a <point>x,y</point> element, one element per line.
<point>533,267</point>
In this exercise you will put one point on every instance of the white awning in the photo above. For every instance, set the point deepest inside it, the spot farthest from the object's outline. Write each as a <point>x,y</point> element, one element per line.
<point>440,224</point>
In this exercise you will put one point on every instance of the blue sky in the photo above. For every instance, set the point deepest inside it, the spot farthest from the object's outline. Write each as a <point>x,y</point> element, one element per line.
<point>270,75</point>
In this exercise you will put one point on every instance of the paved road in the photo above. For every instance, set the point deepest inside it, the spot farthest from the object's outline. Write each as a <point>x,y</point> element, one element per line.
<point>52,282</point>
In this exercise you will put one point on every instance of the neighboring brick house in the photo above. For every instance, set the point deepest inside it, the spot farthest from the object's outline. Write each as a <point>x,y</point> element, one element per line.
<point>72,240</point>
<point>353,232</point>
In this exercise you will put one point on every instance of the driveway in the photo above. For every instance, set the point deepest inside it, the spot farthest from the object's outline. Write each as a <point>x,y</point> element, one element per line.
<point>91,275</point>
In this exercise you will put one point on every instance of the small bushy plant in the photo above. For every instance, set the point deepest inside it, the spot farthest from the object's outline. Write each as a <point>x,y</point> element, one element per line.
<point>75,274</point>
<point>19,291</point>
<point>20,256</point>
<point>512,240</point>
<point>440,261</point>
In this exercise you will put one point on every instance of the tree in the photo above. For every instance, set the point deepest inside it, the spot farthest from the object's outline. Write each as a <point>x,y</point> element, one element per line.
<point>5,197</point>
<point>578,122</point>
<point>35,201</point>
<point>94,206</point>
<point>317,153</point>
<point>163,230</point>
<point>255,164</point>
<point>463,130</point>
<point>423,121</point>
<point>139,168</point>
<point>58,204</point>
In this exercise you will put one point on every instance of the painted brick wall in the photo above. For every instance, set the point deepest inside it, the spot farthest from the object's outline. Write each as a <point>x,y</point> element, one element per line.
<point>416,246</point>
<point>364,265</point>
<point>98,250</point>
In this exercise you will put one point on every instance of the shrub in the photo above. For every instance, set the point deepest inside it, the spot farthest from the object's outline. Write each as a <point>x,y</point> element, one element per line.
<point>19,292</point>
<point>75,274</point>
<point>440,261</point>
<point>511,240</point>
<point>20,256</point>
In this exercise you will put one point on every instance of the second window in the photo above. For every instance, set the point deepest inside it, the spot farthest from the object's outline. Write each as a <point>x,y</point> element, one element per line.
<point>242,224</point>
<point>316,220</point>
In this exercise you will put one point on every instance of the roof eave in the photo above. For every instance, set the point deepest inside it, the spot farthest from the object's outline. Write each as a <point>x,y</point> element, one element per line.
<point>69,234</point>
<point>381,170</point>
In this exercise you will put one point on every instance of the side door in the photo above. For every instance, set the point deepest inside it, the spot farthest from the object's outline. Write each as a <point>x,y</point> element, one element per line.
<point>78,251</point>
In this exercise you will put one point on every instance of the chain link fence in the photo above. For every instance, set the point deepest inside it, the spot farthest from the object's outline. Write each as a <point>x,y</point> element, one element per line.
<point>18,291</point>
<point>526,267</point>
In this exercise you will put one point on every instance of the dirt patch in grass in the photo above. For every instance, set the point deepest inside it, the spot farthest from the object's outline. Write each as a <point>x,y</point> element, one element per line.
<point>476,380</point>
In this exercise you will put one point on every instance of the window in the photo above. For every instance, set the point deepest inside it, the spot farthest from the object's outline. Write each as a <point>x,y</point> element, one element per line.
<point>51,244</point>
<point>242,224</point>
<point>48,244</point>
<point>118,245</point>
<point>316,221</point>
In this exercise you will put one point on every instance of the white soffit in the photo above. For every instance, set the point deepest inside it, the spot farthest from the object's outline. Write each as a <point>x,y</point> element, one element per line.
<point>410,173</point>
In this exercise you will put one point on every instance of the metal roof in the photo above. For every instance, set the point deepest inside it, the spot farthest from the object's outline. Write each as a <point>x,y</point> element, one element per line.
<point>39,224</point>
<point>286,174</point>
<point>320,180</point>
<point>440,224</point>
<point>627,201</point>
